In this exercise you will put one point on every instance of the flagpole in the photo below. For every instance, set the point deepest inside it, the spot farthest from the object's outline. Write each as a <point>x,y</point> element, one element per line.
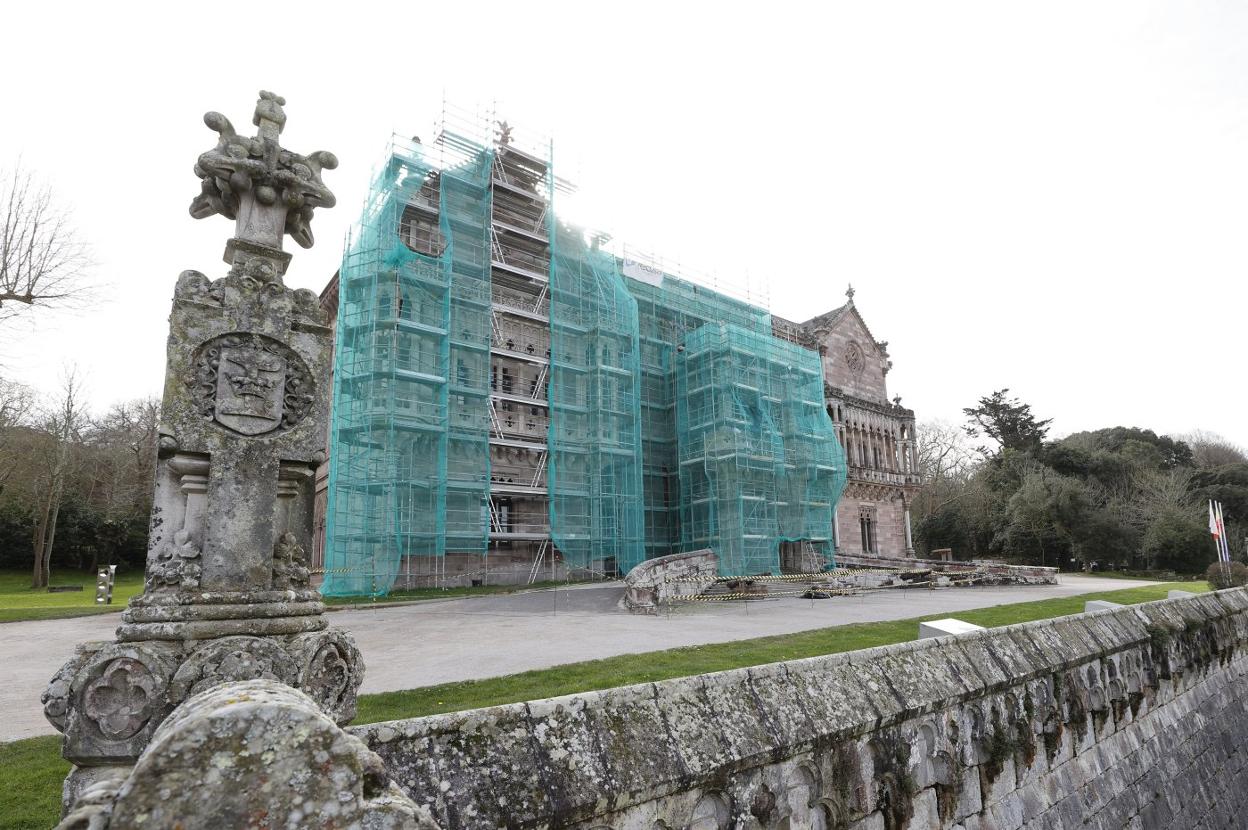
<point>1226,544</point>
<point>1215,529</point>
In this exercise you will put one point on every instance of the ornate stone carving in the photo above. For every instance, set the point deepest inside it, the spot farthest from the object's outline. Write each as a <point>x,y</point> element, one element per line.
<point>206,763</point>
<point>269,190</point>
<point>290,563</point>
<point>331,671</point>
<point>175,568</point>
<point>116,697</point>
<point>122,699</point>
<point>308,306</point>
<point>57,697</point>
<point>251,384</point>
<point>230,659</point>
<point>195,287</point>
<point>855,359</point>
<point>93,809</point>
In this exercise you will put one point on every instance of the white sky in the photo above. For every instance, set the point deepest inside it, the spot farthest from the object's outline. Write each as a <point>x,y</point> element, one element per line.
<point>1046,196</point>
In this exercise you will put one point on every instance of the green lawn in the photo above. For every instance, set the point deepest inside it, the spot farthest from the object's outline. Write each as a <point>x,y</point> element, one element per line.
<point>18,601</point>
<point>441,593</point>
<point>679,662</point>
<point>30,783</point>
<point>31,770</point>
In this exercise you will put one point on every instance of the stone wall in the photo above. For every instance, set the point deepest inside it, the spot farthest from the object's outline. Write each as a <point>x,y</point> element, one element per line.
<point>999,572</point>
<point>1125,718</point>
<point>890,533</point>
<point>852,359</point>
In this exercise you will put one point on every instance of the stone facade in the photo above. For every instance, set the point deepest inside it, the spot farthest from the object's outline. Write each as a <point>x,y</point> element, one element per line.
<point>1132,717</point>
<point>878,435</point>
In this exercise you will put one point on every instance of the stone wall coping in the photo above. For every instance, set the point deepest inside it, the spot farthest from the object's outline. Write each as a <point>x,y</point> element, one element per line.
<point>1078,624</point>
<point>615,748</point>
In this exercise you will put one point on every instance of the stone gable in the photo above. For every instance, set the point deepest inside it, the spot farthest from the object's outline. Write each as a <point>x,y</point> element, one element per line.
<point>852,359</point>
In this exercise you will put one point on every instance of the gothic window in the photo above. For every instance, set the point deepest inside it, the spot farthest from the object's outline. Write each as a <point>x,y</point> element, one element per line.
<point>867,529</point>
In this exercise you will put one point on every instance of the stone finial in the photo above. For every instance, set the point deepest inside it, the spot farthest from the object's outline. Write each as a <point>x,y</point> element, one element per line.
<point>269,190</point>
<point>849,292</point>
<point>269,115</point>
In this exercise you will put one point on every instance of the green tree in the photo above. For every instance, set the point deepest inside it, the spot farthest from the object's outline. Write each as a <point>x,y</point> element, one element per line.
<point>1176,540</point>
<point>1227,484</point>
<point>1142,446</point>
<point>1008,422</point>
<point>1044,515</point>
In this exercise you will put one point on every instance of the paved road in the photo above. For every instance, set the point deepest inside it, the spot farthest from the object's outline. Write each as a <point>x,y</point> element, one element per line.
<point>465,639</point>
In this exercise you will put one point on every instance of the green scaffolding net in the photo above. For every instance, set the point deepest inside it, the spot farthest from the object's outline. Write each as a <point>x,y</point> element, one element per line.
<point>596,505</point>
<point>505,388</point>
<point>409,460</point>
<point>668,309</point>
<point>761,469</point>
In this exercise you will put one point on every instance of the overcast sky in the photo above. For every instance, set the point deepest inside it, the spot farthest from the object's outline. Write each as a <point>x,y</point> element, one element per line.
<point>1047,196</point>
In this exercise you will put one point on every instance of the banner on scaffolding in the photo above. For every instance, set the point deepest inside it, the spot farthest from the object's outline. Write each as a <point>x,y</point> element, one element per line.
<point>641,273</point>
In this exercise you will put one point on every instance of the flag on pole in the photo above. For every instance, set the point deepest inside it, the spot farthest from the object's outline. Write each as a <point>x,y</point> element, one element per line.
<point>1226,548</point>
<point>1215,528</point>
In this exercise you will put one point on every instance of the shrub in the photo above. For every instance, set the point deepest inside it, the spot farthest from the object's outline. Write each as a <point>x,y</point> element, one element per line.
<point>1227,576</point>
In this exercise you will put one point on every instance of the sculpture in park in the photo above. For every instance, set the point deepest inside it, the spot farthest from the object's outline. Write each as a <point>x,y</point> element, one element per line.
<point>227,595</point>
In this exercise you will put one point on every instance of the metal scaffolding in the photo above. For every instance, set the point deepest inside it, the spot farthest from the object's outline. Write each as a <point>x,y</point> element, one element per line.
<point>511,396</point>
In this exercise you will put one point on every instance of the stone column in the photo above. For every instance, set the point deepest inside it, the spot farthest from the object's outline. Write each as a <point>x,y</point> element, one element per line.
<point>906,519</point>
<point>227,594</point>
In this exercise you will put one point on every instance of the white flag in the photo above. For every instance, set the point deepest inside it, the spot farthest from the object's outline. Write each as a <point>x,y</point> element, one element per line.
<point>1226,548</point>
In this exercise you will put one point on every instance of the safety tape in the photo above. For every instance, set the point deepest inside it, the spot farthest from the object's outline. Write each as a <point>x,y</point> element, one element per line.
<point>771,595</point>
<point>838,591</point>
<point>806,577</point>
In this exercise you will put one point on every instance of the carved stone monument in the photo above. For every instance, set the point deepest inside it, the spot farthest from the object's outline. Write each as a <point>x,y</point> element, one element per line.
<point>227,595</point>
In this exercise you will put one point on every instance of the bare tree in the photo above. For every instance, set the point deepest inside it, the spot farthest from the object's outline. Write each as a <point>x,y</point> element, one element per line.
<point>946,461</point>
<point>42,259</point>
<point>17,403</point>
<point>62,427</point>
<point>1212,450</point>
<point>124,457</point>
<point>115,476</point>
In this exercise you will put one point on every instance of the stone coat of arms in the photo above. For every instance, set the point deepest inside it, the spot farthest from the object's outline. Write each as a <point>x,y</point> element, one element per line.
<point>251,384</point>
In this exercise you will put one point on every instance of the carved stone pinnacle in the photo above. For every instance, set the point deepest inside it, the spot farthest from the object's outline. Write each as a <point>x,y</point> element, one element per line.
<point>268,190</point>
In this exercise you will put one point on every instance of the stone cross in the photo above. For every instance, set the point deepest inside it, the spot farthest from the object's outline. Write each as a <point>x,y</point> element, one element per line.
<point>227,595</point>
